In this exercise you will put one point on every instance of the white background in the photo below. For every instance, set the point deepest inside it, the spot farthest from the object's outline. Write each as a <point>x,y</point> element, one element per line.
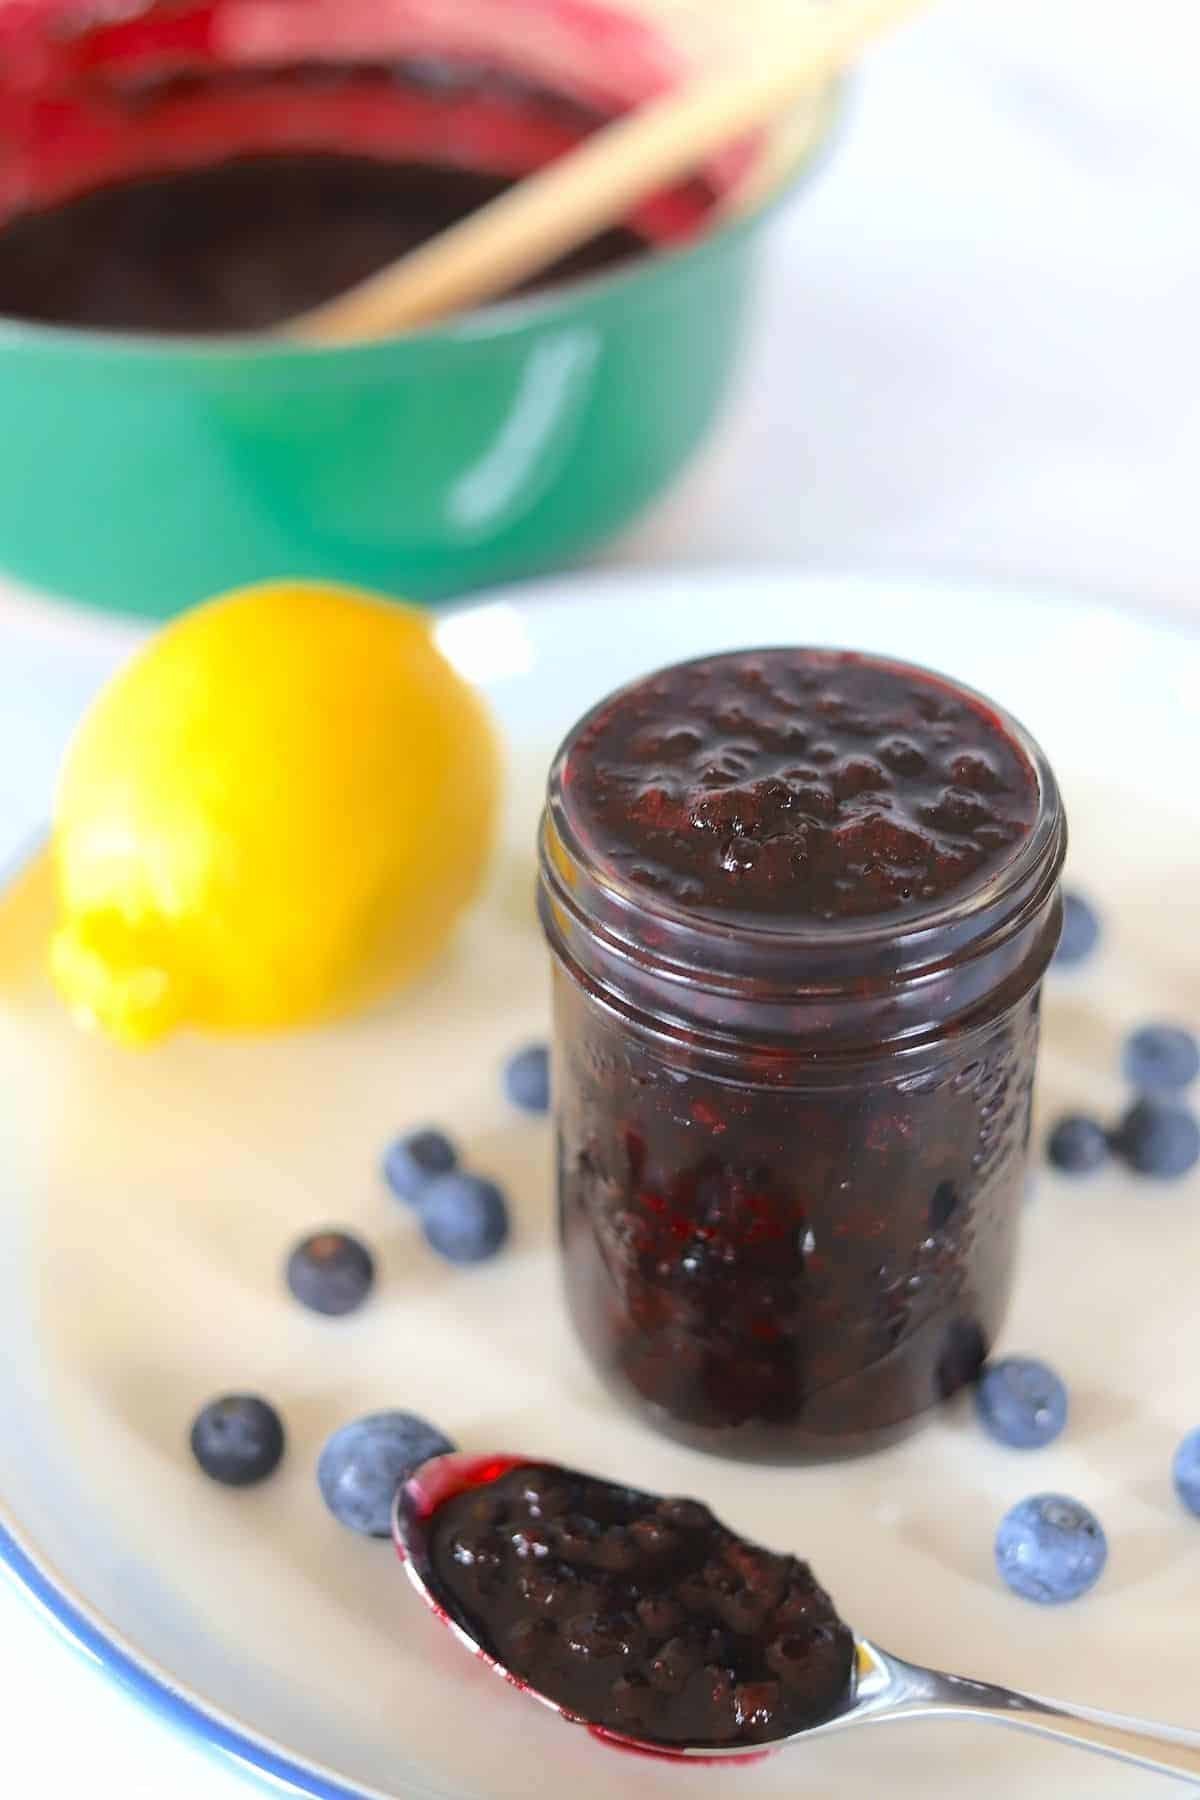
<point>975,353</point>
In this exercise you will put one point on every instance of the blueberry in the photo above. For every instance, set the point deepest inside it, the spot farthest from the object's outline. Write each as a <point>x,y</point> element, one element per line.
<point>961,1358</point>
<point>1050,1548</point>
<point>330,1272</point>
<point>414,1160</point>
<point>238,1440</point>
<point>1161,1058</point>
<point>527,1078</point>
<point>364,1463</point>
<point>464,1218</point>
<point>1156,1138</point>
<point>1077,1145</point>
<point>1021,1402</point>
<point>1080,931</point>
<point>1185,1471</point>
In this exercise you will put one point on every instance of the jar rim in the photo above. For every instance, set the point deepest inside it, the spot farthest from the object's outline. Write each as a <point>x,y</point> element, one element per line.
<point>972,914</point>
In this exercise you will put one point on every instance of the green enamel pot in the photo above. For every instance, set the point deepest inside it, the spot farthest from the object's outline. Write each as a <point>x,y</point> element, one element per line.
<point>141,474</point>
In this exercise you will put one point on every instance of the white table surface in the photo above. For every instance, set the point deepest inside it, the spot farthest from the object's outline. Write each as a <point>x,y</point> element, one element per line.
<point>975,354</point>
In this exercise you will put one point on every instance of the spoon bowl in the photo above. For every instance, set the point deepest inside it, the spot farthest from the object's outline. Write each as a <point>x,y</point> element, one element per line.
<point>884,1687</point>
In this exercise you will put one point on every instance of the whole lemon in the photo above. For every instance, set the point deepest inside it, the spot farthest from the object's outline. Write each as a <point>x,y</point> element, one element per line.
<point>272,814</point>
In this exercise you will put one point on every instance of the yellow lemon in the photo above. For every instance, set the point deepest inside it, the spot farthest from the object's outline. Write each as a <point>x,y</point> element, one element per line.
<point>272,814</point>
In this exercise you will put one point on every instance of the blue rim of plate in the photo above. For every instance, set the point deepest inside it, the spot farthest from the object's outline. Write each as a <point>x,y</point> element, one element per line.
<point>184,1712</point>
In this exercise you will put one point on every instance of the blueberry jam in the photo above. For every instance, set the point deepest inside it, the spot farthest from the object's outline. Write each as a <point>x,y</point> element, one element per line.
<point>245,244</point>
<point>800,905</point>
<point>797,786</point>
<point>644,1616</point>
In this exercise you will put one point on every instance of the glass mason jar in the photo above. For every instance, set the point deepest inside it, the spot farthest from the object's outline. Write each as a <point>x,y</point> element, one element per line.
<point>799,904</point>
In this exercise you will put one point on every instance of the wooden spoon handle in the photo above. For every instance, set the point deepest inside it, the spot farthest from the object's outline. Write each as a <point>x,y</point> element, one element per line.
<point>599,183</point>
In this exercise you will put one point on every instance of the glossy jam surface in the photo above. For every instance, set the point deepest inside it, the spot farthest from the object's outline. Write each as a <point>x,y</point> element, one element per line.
<point>245,244</point>
<point>800,906</point>
<point>798,787</point>
<point>641,1615</point>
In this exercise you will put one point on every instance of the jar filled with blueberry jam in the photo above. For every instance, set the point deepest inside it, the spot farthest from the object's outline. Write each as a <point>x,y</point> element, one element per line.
<point>800,903</point>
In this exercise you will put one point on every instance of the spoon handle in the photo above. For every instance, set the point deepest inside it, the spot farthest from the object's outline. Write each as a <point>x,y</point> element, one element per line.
<point>915,1692</point>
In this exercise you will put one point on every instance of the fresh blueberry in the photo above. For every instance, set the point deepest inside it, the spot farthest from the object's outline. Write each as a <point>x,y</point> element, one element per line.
<point>1021,1402</point>
<point>238,1440</point>
<point>527,1078</point>
<point>415,1160</point>
<point>364,1463</point>
<point>1161,1058</point>
<point>464,1218</point>
<point>961,1357</point>
<point>1186,1471</point>
<point>1080,931</point>
<point>1077,1145</point>
<point>330,1272</point>
<point>1050,1548</point>
<point>1157,1138</point>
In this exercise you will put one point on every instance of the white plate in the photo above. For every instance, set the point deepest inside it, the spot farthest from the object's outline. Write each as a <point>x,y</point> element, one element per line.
<point>149,1200</point>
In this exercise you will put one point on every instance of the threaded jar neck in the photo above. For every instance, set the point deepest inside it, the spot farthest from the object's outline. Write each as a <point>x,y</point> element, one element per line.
<point>730,767</point>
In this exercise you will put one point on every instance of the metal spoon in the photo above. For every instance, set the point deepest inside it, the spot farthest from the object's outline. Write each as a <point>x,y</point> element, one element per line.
<point>885,1687</point>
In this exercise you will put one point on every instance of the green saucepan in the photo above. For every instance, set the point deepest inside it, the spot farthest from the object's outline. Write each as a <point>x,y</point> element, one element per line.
<point>141,473</point>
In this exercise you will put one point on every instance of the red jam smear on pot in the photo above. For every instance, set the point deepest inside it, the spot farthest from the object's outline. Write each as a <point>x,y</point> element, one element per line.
<point>222,165</point>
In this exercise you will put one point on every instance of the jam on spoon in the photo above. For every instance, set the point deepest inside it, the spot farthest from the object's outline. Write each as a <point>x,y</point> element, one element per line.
<point>644,1616</point>
<point>505,1549</point>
